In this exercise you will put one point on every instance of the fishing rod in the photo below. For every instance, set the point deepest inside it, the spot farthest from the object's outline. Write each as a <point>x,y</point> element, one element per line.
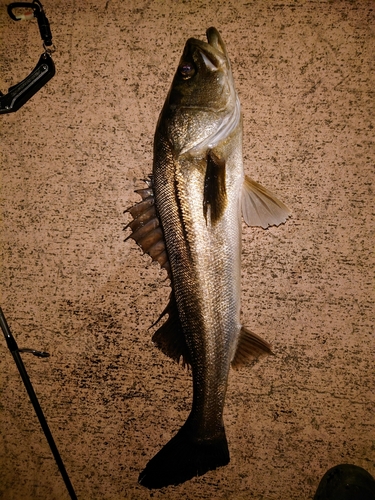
<point>14,349</point>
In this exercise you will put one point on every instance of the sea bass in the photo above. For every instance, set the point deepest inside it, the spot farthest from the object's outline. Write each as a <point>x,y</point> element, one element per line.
<point>189,220</point>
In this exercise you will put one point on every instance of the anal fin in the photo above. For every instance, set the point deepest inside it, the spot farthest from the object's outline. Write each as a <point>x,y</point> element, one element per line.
<point>250,346</point>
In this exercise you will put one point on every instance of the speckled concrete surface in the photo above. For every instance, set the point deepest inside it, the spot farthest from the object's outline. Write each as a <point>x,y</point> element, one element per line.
<point>71,159</point>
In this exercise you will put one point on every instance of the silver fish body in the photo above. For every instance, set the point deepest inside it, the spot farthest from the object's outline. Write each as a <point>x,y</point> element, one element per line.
<point>194,205</point>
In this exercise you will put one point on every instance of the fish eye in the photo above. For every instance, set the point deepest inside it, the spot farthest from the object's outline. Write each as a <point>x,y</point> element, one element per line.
<point>186,70</point>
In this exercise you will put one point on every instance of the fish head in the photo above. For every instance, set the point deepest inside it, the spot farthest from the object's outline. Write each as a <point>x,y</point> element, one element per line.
<point>202,105</point>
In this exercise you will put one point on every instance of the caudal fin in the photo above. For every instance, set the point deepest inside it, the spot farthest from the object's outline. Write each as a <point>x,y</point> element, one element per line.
<point>183,458</point>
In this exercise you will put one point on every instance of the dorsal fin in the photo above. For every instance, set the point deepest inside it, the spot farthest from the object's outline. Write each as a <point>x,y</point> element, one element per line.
<point>260,207</point>
<point>250,346</point>
<point>146,229</point>
<point>215,194</point>
<point>148,234</point>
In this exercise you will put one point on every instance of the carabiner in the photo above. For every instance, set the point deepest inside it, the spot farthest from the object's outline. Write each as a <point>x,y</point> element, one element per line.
<point>20,5</point>
<point>45,69</point>
<point>36,11</point>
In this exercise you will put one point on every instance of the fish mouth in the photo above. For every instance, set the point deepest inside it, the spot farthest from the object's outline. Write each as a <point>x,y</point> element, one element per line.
<point>215,40</point>
<point>212,52</point>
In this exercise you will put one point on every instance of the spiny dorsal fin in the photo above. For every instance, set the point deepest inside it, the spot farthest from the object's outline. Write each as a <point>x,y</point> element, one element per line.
<point>215,194</point>
<point>249,347</point>
<point>260,207</point>
<point>146,228</point>
<point>170,338</point>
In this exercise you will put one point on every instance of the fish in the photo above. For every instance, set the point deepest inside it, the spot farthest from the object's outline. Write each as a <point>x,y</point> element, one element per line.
<point>189,220</point>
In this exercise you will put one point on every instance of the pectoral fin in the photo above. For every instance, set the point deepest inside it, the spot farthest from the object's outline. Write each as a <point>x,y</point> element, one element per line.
<point>215,195</point>
<point>249,347</point>
<point>260,207</point>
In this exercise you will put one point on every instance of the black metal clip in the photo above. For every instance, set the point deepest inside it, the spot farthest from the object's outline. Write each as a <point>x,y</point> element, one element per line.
<point>20,93</point>
<point>38,12</point>
<point>23,91</point>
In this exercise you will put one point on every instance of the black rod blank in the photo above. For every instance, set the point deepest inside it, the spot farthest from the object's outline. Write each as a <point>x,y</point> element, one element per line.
<point>13,347</point>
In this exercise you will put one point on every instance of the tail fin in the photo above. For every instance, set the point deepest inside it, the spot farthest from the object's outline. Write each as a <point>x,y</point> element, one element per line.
<point>183,458</point>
